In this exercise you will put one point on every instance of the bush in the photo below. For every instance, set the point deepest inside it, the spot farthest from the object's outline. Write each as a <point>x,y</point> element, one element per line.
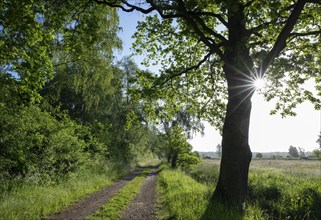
<point>35,143</point>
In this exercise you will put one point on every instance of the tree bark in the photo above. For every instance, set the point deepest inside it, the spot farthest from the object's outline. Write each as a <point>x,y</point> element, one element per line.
<point>174,160</point>
<point>232,185</point>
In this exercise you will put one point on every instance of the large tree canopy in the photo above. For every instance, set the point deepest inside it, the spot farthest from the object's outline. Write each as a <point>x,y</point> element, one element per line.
<point>212,52</point>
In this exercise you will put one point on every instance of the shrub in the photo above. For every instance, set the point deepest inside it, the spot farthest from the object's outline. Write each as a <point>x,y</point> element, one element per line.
<point>33,142</point>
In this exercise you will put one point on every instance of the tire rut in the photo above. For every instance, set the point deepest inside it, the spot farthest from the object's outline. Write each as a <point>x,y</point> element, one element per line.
<point>143,206</point>
<point>90,204</point>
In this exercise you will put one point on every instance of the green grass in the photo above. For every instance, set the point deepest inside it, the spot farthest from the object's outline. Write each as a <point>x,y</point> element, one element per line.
<point>118,203</point>
<point>284,196</point>
<point>181,197</point>
<point>148,162</point>
<point>274,193</point>
<point>28,201</point>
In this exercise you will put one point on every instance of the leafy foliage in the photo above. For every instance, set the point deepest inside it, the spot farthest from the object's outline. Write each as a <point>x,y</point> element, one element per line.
<point>317,152</point>
<point>82,57</point>
<point>34,142</point>
<point>176,148</point>
<point>175,48</point>
<point>178,44</point>
<point>24,45</point>
<point>64,104</point>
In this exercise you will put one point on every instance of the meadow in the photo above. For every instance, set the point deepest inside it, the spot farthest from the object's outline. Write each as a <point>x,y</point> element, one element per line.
<point>278,189</point>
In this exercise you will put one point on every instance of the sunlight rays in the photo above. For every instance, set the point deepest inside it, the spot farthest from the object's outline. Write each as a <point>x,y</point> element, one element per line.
<point>253,81</point>
<point>248,84</point>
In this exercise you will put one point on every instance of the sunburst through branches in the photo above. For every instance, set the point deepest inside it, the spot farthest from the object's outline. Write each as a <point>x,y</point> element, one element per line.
<point>259,83</point>
<point>251,83</point>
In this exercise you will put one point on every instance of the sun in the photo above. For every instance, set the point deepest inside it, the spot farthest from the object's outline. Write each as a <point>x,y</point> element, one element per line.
<point>259,83</point>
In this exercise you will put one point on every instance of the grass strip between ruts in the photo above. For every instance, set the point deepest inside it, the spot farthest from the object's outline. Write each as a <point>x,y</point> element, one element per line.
<point>118,203</point>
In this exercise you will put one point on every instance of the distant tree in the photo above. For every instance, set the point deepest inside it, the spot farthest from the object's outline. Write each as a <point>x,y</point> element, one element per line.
<point>293,151</point>
<point>317,152</point>
<point>301,152</point>
<point>319,140</point>
<point>219,150</point>
<point>259,155</point>
<point>178,151</point>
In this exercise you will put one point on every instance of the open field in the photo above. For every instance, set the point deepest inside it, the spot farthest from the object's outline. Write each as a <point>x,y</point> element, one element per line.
<point>293,167</point>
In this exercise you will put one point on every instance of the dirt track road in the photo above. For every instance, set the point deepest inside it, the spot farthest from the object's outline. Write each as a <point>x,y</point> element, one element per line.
<point>142,208</point>
<point>144,205</point>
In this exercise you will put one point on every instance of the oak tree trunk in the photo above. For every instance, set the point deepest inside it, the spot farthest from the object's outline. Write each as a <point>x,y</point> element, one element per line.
<point>232,184</point>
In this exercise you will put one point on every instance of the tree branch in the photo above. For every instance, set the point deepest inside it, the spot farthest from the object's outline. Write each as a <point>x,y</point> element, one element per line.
<point>131,8</point>
<point>81,10</point>
<point>248,4</point>
<point>208,30</point>
<point>210,43</point>
<point>295,34</point>
<point>179,73</point>
<point>314,1</point>
<point>280,42</point>
<point>161,13</point>
<point>205,13</point>
<point>255,30</point>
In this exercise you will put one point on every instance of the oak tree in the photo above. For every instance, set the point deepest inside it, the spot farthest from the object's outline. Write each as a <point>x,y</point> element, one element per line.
<point>211,52</point>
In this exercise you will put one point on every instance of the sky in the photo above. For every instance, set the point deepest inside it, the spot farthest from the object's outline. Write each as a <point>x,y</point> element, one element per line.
<point>268,133</point>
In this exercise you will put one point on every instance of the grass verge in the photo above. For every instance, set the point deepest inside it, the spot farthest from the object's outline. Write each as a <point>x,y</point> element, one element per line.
<point>28,201</point>
<point>181,197</point>
<point>118,203</point>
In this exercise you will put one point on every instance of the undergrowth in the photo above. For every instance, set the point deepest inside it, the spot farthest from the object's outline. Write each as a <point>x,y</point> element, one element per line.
<point>282,196</point>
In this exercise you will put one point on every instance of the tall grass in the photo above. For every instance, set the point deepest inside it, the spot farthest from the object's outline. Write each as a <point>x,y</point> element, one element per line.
<point>181,197</point>
<point>284,196</point>
<point>28,201</point>
<point>274,193</point>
